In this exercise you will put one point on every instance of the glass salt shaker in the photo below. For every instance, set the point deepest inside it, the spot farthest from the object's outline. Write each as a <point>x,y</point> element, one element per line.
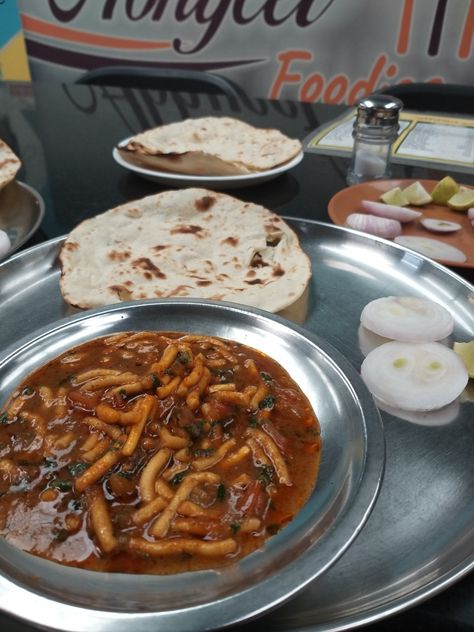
<point>375,129</point>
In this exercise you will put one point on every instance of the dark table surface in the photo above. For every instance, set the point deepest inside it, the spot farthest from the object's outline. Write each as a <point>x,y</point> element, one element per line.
<point>65,135</point>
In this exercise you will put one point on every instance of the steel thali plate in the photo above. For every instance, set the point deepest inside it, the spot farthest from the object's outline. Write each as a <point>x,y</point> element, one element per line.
<point>21,213</point>
<point>349,479</point>
<point>411,547</point>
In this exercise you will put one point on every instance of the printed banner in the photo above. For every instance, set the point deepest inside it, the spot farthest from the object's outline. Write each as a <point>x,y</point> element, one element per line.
<point>334,51</point>
<point>13,57</point>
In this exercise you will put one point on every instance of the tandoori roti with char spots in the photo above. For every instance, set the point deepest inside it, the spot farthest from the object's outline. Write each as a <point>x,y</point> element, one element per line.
<point>191,243</point>
<point>211,146</point>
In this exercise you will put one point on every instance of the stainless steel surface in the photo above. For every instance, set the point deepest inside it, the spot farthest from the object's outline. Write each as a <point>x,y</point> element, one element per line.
<point>419,537</point>
<point>21,213</point>
<point>378,109</point>
<point>348,482</point>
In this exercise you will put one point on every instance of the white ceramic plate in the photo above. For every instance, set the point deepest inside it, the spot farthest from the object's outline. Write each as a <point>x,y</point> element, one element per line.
<point>211,182</point>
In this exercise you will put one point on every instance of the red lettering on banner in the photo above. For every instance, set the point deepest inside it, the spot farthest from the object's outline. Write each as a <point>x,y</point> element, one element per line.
<point>362,87</point>
<point>312,88</point>
<point>335,89</point>
<point>283,76</point>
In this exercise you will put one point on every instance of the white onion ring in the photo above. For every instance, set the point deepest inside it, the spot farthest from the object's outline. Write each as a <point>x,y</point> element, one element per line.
<point>379,226</point>
<point>410,376</point>
<point>440,417</point>
<point>433,248</point>
<point>440,225</point>
<point>407,319</point>
<point>389,211</point>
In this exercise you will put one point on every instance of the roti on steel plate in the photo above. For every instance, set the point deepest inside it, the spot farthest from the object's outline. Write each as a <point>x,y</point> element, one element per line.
<point>9,164</point>
<point>190,243</point>
<point>211,146</point>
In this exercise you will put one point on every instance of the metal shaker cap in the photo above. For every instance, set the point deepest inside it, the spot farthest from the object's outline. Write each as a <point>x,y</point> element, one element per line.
<point>378,109</point>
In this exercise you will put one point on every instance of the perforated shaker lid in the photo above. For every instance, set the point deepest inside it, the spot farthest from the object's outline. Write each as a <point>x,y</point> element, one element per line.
<point>378,109</point>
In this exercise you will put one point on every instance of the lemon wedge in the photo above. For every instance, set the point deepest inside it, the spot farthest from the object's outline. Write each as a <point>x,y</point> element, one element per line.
<point>416,194</point>
<point>394,196</point>
<point>462,200</point>
<point>465,351</point>
<point>444,190</point>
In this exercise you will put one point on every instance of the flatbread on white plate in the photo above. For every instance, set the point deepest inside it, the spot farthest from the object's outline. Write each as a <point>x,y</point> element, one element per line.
<point>190,243</point>
<point>210,146</point>
<point>9,164</point>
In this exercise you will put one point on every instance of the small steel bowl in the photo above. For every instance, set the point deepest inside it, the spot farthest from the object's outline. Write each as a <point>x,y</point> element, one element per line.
<point>58,597</point>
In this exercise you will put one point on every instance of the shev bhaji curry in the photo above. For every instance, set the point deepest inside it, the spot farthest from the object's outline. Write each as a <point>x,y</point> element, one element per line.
<point>154,453</point>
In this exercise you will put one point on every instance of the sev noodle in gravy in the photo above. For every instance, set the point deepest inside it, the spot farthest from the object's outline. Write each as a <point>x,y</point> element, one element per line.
<point>154,453</point>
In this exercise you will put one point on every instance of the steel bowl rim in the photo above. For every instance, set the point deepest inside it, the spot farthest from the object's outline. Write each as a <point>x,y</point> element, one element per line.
<point>369,485</point>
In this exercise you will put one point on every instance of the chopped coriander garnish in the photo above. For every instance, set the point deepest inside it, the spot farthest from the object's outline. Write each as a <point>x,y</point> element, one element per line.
<point>220,494</point>
<point>265,474</point>
<point>235,527</point>
<point>67,380</point>
<point>49,462</point>
<point>203,452</point>
<point>267,402</point>
<point>62,484</point>
<point>254,421</point>
<point>195,429</point>
<point>155,380</point>
<point>4,418</point>
<point>177,478</point>
<point>266,377</point>
<point>77,468</point>
<point>183,357</point>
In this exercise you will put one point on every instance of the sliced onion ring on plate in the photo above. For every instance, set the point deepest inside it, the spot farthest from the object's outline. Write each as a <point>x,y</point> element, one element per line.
<point>378,226</point>
<point>440,417</point>
<point>440,225</point>
<point>414,376</point>
<point>432,248</point>
<point>407,319</point>
<point>389,211</point>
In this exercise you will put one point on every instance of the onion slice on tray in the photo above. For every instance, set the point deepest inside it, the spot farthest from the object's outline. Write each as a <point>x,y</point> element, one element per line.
<point>440,225</point>
<point>414,376</point>
<point>379,226</point>
<point>432,248</point>
<point>407,319</point>
<point>440,417</point>
<point>390,211</point>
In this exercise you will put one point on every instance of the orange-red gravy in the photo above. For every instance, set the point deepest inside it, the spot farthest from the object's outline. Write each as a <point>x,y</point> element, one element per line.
<point>48,448</point>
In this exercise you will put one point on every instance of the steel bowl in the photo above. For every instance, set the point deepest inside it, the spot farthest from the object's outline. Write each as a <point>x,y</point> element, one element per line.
<point>57,597</point>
